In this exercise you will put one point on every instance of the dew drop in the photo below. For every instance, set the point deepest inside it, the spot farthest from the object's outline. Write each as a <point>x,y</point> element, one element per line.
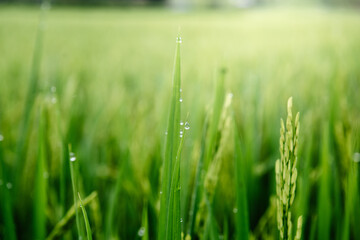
<point>356,157</point>
<point>235,210</point>
<point>141,232</point>
<point>181,135</point>
<point>72,157</point>
<point>181,123</point>
<point>166,133</point>
<point>180,99</point>
<point>181,132</point>
<point>53,100</point>
<point>178,40</point>
<point>53,89</point>
<point>180,89</point>
<point>181,220</point>
<point>187,126</point>
<point>231,95</point>
<point>1,137</point>
<point>9,185</point>
<point>160,192</point>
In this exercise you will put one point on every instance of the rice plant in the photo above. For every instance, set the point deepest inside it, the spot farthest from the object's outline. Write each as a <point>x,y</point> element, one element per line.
<point>106,81</point>
<point>286,174</point>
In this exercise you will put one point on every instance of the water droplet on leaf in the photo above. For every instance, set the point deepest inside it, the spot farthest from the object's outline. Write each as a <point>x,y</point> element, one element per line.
<point>141,232</point>
<point>178,40</point>
<point>72,157</point>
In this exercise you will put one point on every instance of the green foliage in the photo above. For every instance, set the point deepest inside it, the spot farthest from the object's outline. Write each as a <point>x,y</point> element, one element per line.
<point>87,224</point>
<point>324,203</point>
<point>169,219</point>
<point>40,195</point>
<point>242,215</point>
<point>99,79</point>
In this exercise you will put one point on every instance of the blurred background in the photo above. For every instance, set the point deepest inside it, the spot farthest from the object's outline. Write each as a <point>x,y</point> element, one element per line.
<point>97,74</point>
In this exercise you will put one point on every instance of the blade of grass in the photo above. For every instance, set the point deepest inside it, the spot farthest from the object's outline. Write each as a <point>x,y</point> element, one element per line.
<point>197,184</point>
<point>114,197</point>
<point>214,122</point>
<point>213,173</point>
<point>87,224</point>
<point>145,223</point>
<point>39,223</point>
<point>61,227</point>
<point>209,138</point>
<point>174,220</point>
<point>74,181</point>
<point>305,183</point>
<point>172,143</point>
<point>226,230</point>
<point>324,200</point>
<point>242,216</point>
<point>211,228</point>
<point>32,90</point>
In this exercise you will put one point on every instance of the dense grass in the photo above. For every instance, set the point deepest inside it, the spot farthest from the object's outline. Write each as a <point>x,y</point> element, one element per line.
<point>101,80</point>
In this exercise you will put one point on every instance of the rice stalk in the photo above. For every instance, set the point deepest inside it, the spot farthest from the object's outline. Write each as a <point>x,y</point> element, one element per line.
<point>206,215</point>
<point>167,201</point>
<point>286,174</point>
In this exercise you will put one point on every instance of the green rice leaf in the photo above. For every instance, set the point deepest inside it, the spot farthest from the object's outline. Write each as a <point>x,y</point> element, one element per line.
<point>39,223</point>
<point>242,216</point>
<point>87,224</point>
<point>172,144</point>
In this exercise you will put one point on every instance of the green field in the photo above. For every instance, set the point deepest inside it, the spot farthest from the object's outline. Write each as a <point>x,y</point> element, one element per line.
<point>98,85</point>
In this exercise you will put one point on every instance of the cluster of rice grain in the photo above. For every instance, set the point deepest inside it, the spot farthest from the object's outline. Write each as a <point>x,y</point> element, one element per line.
<point>286,174</point>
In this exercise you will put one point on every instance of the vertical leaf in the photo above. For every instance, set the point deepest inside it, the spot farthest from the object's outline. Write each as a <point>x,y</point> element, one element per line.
<point>214,122</point>
<point>40,184</point>
<point>32,90</point>
<point>242,217</point>
<point>74,181</point>
<point>87,224</point>
<point>145,223</point>
<point>324,200</point>
<point>172,144</point>
<point>197,184</point>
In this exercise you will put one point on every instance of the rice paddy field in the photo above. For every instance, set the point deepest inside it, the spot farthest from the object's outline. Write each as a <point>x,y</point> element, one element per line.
<point>148,123</point>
